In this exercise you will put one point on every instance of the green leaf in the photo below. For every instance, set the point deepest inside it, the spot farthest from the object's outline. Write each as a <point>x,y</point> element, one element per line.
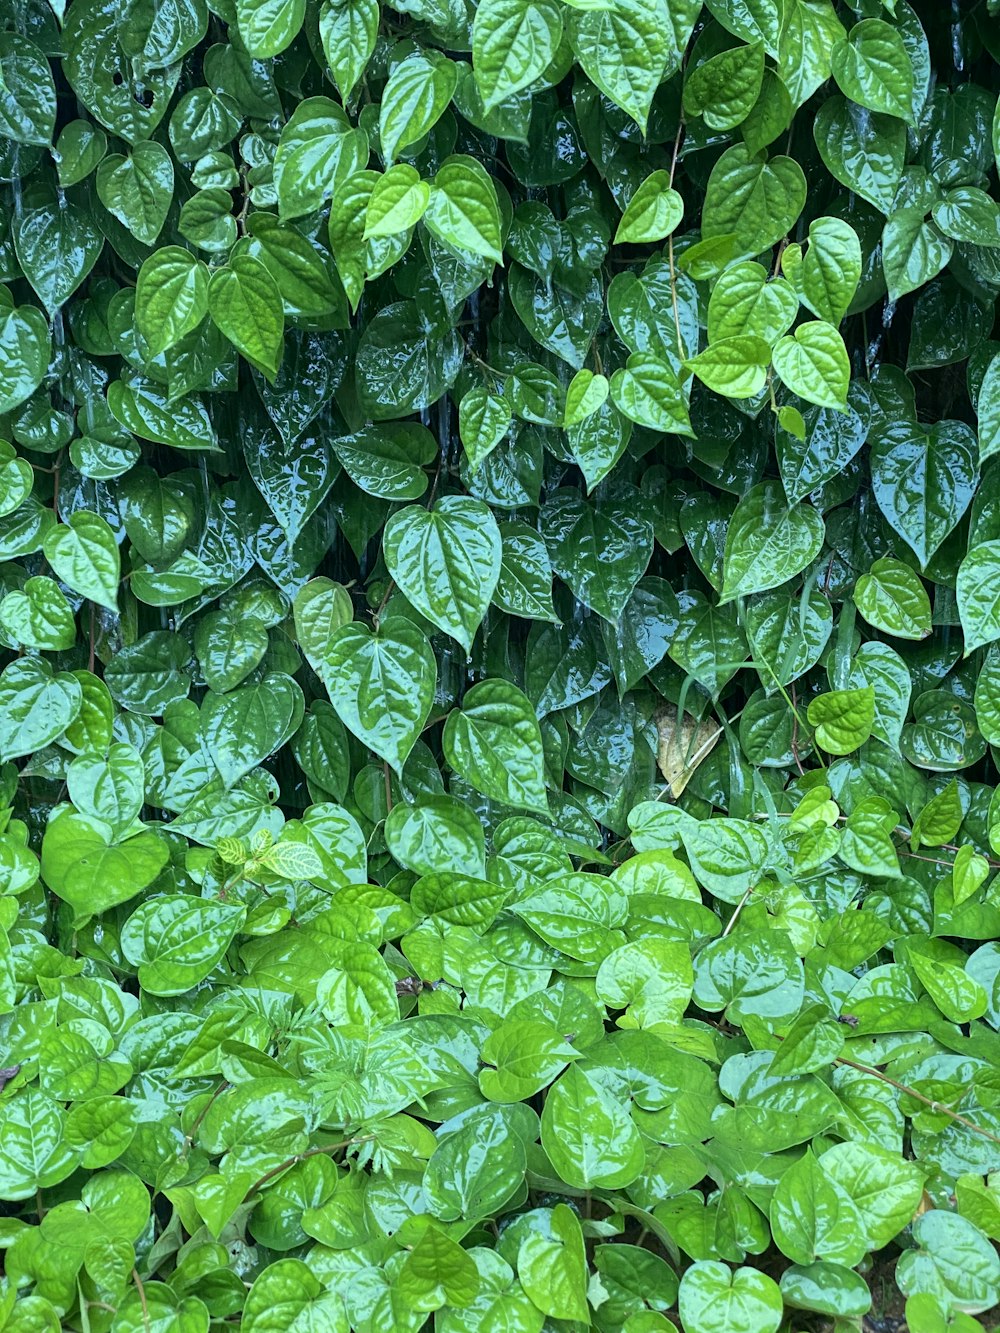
<point>745,304</point>
<point>713,1296</point>
<point>842,719</point>
<point>552,1265</point>
<point>601,549</point>
<point>768,542</point>
<point>438,834</point>
<point>623,50</point>
<point>520,1057</point>
<point>25,345</point>
<point>321,607</point>
<point>437,1272</point>
<point>79,148</point>
<point>495,743</point>
<point>38,616</point>
<point>513,42</point>
<point>348,29</point>
<point>978,591</point>
<point>171,297</point>
<point>176,940</point>
<point>953,1261</point>
<point>988,408</point>
<point>317,150</point>
<point>446,561</point>
<point>814,364</point>
<point>653,212</point>
<point>463,209</point>
<point>831,270</point>
<point>138,189</point>
<point>109,787</point>
<point>382,685</point>
<point>56,248</point>
<point>863,151</point>
<point>724,88</point>
<point>924,480</point>
<point>84,554</point>
<point>241,729</point>
<point>913,251</point>
<point>28,94</point>
<point>873,69</point>
<point>245,303</point>
<point>289,1292</point>
<point>892,599</point>
<point>755,200</point>
<point>648,392</point>
<point>588,1135</point>
<point>484,419</point>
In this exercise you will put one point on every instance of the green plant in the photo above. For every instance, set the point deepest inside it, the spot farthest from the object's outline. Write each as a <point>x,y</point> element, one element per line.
<point>501,628</point>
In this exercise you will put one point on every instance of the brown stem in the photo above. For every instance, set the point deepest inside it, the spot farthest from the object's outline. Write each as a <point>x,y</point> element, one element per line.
<point>190,1135</point>
<point>919,1096</point>
<point>142,1298</point>
<point>681,349</point>
<point>301,1157</point>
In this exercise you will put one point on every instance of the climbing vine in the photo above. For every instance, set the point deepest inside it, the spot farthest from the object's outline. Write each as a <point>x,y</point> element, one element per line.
<point>499,665</point>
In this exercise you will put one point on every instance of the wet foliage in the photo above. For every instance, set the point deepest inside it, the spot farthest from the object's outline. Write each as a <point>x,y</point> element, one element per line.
<point>500,680</point>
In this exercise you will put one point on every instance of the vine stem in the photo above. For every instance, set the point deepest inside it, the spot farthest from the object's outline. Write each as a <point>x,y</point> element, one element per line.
<point>190,1135</point>
<point>681,349</point>
<point>301,1157</point>
<point>142,1298</point>
<point>919,1096</point>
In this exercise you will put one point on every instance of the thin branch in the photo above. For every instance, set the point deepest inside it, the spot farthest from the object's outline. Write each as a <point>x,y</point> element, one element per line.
<point>301,1157</point>
<point>919,1096</point>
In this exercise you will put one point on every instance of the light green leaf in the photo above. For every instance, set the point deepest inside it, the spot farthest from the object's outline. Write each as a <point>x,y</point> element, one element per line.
<point>892,598</point>
<point>171,297</point>
<point>714,1297</point>
<point>397,202</point>
<point>176,940</point>
<point>623,50</point>
<point>463,209</point>
<point>653,212</point>
<point>245,304</point>
<point>267,27</point>
<point>348,29</point>
<point>843,719</point>
<point>755,200</point>
<point>735,367</point>
<point>814,364</point>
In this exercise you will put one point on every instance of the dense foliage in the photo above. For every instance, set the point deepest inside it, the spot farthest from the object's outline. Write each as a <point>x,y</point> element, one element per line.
<point>500,523</point>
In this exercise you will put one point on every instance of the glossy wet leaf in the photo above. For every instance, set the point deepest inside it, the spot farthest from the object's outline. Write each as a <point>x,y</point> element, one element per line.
<point>382,684</point>
<point>494,742</point>
<point>768,542</point>
<point>447,562</point>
